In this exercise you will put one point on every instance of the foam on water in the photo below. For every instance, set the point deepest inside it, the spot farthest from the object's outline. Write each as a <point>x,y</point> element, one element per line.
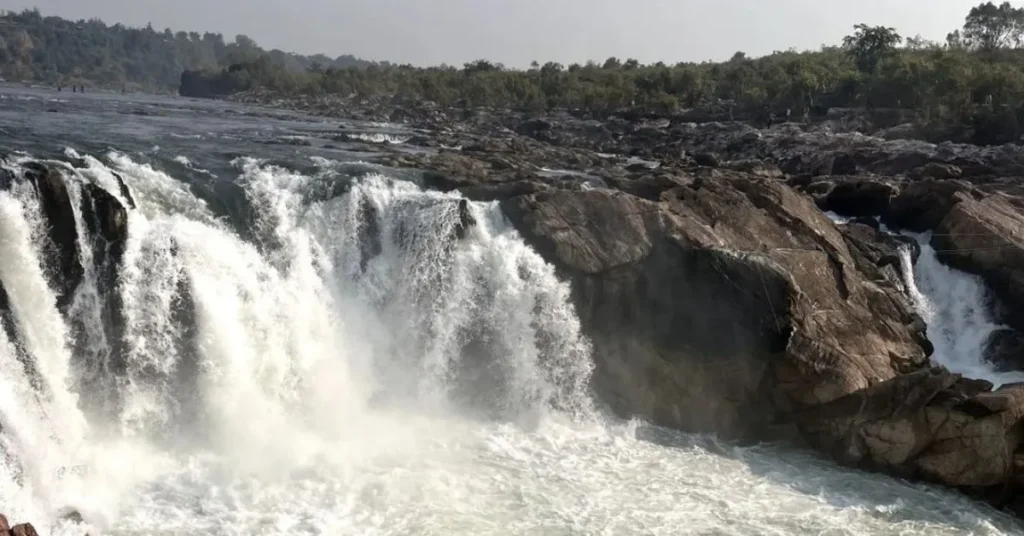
<point>366,364</point>
<point>379,137</point>
<point>955,306</point>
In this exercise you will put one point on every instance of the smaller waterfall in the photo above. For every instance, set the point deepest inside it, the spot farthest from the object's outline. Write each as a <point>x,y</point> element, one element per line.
<point>955,306</point>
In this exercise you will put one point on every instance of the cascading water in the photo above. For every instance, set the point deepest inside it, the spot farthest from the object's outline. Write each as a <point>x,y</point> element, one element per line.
<point>955,306</point>
<point>383,361</point>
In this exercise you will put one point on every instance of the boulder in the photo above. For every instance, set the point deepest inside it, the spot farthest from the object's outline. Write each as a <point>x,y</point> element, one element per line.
<point>72,516</point>
<point>706,159</point>
<point>1005,349</point>
<point>878,254</point>
<point>754,167</point>
<point>844,164</point>
<point>125,192</point>
<point>728,300</point>
<point>25,529</point>
<point>930,425</point>
<point>107,216</point>
<point>986,237</point>
<point>503,190</point>
<point>920,206</point>
<point>937,171</point>
<point>533,127</point>
<point>859,196</point>
<point>64,269</point>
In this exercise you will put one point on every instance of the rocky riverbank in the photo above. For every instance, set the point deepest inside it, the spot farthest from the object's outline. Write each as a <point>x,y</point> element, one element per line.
<point>719,295</point>
<point>721,298</point>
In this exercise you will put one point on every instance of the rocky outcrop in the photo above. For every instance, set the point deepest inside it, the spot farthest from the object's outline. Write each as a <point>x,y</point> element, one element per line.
<point>24,529</point>
<point>64,269</point>
<point>930,425</point>
<point>921,205</point>
<point>986,237</point>
<point>724,303</point>
<point>877,254</point>
<point>1005,350</point>
<point>719,298</point>
<point>729,304</point>
<point>103,214</point>
<point>105,223</point>
<point>854,196</point>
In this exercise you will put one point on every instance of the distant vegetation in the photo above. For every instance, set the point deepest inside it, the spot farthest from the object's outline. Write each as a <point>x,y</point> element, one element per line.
<point>59,51</point>
<point>970,87</point>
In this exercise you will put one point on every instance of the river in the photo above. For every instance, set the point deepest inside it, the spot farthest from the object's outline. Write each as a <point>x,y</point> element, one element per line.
<point>277,377</point>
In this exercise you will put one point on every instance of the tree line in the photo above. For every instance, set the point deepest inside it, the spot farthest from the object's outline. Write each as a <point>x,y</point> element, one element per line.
<point>53,50</point>
<point>969,86</point>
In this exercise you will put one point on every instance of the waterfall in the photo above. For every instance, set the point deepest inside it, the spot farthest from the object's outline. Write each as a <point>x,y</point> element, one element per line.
<point>955,306</point>
<point>266,351</point>
<point>353,356</point>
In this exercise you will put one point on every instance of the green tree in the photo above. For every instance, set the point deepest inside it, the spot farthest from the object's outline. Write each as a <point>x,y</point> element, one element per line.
<point>612,63</point>
<point>870,44</point>
<point>989,27</point>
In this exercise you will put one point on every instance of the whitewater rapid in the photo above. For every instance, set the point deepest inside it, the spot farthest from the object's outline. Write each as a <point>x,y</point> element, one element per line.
<point>369,359</point>
<point>956,307</point>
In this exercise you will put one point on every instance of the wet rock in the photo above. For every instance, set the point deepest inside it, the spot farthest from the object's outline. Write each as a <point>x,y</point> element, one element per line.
<point>707,160</point>
<point>111,216</point>
<point>903,131</point>
<point>639,167</point>
<point>937,171</point>
<point>986,237</point>
<point>125,192</point>
<point>650,187</point>
<point>64,269</point>
<point>71,516</point>
<point>859,197</point>
<point>1005,350</point>
<point>107,221</point>
<point>706,307</point>
<point>844,164</point>
<point>920,206</point>
<point>503,190</point>
<point>369,233</point>
<point>877,253</point>
<point>754,166</point>
<point>533,127</point>
<point>466,219</point>
<point>930,425</point>
<point>25,529</point>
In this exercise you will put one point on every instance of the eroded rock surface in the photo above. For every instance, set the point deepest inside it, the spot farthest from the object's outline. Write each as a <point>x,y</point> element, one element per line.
<point>726,301</point>
<point>721,299</point>
<point>930,425</point>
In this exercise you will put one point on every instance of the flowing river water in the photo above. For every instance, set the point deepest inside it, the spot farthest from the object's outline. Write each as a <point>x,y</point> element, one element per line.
<point>277,378</point>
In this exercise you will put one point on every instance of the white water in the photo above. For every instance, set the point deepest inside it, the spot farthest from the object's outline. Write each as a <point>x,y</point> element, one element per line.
<point>955,306</point>
<point>379,137</point>
<point>438,387</point>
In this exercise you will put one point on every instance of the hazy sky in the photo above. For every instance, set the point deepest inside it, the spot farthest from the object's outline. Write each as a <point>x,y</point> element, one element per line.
<point>518,31</point>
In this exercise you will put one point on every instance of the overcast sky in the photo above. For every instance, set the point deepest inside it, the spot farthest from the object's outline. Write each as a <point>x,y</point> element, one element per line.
<point>516,32</point>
